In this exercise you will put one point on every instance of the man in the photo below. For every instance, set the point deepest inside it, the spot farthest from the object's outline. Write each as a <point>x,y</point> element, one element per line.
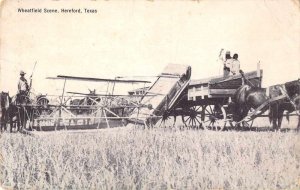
<point>23,88</point>
<point>235,65</point>
<point>227,64</point>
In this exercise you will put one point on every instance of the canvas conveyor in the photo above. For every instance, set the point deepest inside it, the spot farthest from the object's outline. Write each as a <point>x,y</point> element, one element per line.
<point>163,94</point>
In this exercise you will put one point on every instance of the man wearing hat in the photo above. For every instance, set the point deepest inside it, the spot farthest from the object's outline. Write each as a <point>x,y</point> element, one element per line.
<point>23,88</point>
<point>227,64</point>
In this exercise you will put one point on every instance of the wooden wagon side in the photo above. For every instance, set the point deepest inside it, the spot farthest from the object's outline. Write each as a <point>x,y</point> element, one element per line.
<point>221,87</point>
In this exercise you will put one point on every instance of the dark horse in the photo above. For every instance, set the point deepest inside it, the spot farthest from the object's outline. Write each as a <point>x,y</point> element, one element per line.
<point>289,104</point>
<point>248,97</point>
<point>5,99</point>
<point>13,113</point>
<point>10,113</point>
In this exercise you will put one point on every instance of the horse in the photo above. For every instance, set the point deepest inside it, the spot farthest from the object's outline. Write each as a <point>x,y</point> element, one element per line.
<point>247,97</point>
<point>10,113</point>
<point>290,104</point>
<point>20,113</point>
<point>4,98</point>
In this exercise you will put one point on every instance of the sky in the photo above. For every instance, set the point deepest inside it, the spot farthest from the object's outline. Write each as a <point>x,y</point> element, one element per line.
<point>139,38</point>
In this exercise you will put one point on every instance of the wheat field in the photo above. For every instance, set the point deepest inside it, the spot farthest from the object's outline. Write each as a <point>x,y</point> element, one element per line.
<point>133,158</point>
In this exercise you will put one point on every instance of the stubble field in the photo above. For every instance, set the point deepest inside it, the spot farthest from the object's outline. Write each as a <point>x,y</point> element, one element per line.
<point>131,158</point>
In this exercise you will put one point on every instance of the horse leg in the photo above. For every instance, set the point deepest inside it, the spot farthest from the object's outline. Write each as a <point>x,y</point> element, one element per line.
<point>19,124</point>
<point>11,123</point>
<point>174,121</point>
<point>245,114</point>
<point>280,117</point>
<point>239,116</point>
<point>23,121</point>
<point>6,118</point>
<point>2,121</point>
<point>275,116</point>
<point>3,124</point>
<point>274,123</point>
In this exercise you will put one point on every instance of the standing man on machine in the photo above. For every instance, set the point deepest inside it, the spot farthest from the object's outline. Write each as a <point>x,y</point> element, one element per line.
<point>23,88</point>
<point>227,64</point>
<point>235,65</point>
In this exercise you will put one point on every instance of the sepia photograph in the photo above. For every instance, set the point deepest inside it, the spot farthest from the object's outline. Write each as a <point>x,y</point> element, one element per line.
<point>150,94</point>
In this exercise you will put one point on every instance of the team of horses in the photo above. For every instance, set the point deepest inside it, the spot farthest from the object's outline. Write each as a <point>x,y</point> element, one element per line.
<point>14,114</point>
<point>248,97</point>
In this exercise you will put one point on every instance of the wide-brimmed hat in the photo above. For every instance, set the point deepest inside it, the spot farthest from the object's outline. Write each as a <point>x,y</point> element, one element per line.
<point>22,73</point>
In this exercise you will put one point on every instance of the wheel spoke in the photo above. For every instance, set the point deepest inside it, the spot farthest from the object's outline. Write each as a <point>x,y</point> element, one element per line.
<point>198,121</point>
<point>199,117</point>
<point>212,112</point>
<point>207,110</point>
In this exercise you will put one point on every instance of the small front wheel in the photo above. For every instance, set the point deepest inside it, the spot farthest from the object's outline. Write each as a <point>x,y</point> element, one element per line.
<point>214,117</point>
<point>193,117</point>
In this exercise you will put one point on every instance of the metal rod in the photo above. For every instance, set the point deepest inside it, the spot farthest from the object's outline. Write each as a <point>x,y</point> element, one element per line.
<point>61,101</point>
<point>106,119</point>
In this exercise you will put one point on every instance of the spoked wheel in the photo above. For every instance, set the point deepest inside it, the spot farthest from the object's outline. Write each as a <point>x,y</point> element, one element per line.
<point>167,120</point>
<point>193,117</point>
<point>214,117</point>
<point>164,120</point>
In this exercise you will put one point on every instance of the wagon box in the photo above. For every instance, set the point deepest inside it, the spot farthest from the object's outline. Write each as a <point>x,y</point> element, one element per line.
<point>221,86</point>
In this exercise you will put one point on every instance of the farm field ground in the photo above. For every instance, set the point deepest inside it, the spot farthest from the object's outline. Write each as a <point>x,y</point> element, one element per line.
<point>159,158</point>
